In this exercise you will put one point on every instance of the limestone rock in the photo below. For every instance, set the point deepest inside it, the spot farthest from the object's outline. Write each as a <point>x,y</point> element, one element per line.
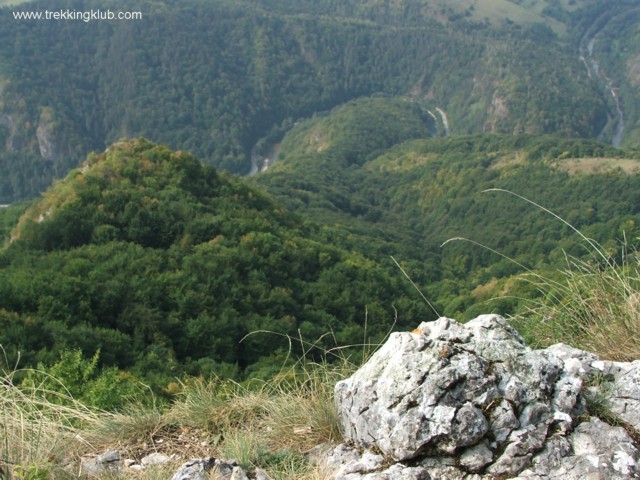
<point>156,459</point>
<point>474,459</point>
<point>625,392</point>
<point>238,474</point>
<point>594,450</point>
<point>260,474</point>
<point>105,463</point>
<point>472,401</point>
<point>436,391</point>
<point>45,135</point>
<point>7,122</point>
<point>350,464</point>
<point>198,469</point>
<point>194,469</point>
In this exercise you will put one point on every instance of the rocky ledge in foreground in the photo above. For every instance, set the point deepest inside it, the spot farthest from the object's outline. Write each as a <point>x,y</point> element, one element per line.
<point>471,401</point>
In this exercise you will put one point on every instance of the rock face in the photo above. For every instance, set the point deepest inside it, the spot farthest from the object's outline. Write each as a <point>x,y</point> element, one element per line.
<point>7,122</point>
<point>107,462</point>
<point>472,401</point>
<point>45,135</point>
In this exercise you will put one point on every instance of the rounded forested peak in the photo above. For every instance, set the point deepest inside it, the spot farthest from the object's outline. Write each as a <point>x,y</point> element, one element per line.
<point>355,131</point>
<point>125,257</point>
<point>139,158</point>
<point>140,192</point>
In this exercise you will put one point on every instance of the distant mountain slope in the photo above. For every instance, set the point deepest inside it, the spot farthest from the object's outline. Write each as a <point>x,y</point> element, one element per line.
<point>611,50</point>
<point>554,13</point>
<point>215,77</point>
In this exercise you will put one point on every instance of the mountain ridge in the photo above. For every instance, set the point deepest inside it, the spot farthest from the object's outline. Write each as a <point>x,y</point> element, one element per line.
<point>239,73</point>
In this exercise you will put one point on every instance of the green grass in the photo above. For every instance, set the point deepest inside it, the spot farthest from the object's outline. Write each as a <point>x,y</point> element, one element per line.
<point>526,12</point>
<point>291,413</point>
<point>594,306</point>
<point>595,165</point>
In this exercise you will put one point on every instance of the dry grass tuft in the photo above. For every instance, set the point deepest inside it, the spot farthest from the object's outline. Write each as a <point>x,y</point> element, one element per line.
<point>594,304</point>
<point>270,425</point>
<point>596,307</point>
<point>302,412</point>
<point>291,413</point>
<point>38,438</point>
<point>218,405</point>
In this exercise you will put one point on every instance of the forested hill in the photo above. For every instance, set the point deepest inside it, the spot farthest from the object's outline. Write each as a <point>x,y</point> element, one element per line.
<point>163,266</point>
<point>213,78</point>
<point>166,267</point>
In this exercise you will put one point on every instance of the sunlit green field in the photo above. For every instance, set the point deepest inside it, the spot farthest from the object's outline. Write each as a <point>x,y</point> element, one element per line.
<point>517,11</point>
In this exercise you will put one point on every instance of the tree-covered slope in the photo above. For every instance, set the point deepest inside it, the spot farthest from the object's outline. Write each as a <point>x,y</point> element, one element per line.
<point>214,77</point>
<point>164,266</point>
<point>412,197</point>
<point>358,130</point>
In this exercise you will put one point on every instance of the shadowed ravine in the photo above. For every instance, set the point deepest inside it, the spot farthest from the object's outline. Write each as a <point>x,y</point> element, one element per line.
<point>595,71</point>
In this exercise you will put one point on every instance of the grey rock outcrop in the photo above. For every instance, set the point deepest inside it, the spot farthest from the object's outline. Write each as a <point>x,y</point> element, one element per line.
<point>7,122</point>
<point>624,390</point>
<point>198,469</point>
<point>472,402</point>
<point>45,135</point>
<point>594,450</point>
<point>156,459</point>
<point>107,462</point>
<point>111,463</point>
<point>194,469</point>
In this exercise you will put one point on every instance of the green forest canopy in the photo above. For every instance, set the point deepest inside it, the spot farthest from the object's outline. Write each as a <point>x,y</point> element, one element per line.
<point>165,266</point>
<point>213,78</point>
<point>407,199</point>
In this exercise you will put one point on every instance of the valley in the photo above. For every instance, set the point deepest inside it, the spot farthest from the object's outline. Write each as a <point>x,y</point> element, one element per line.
<point>615,123</point>
<point>213,215</point>
<point>171,186</point>
<point>242,69</point>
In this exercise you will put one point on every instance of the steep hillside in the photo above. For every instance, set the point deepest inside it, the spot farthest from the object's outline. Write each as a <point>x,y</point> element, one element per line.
<point>215,77</point>
<point>164,266</point>
<point>410,198</point>
<point>358,130</point>
<point>611,48</point>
